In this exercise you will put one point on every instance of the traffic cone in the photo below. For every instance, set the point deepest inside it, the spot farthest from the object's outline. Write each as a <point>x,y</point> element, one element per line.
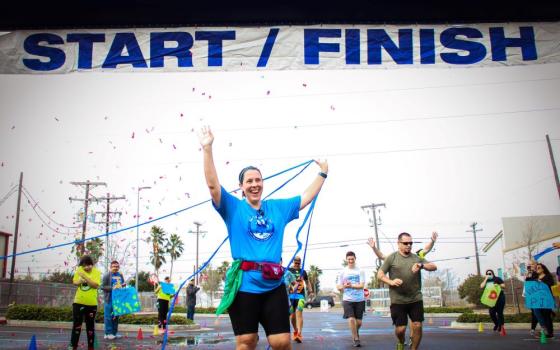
<point>480,327</point>
<point>543,338</point>
<point>503,331</point>
<point>139,336</point>
<point>33,343</point>
<point>156,330</point>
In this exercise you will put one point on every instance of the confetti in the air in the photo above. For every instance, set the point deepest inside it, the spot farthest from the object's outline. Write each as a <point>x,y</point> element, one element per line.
<point>133,134</point>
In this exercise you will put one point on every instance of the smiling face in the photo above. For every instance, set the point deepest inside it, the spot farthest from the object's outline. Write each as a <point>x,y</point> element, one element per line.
<point>252,186</point>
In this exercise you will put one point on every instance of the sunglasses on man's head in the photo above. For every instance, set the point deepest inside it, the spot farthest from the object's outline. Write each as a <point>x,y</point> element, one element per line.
<point>406,243</point>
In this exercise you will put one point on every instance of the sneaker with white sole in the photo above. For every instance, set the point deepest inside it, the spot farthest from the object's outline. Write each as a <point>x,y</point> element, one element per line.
<point>110,337</point>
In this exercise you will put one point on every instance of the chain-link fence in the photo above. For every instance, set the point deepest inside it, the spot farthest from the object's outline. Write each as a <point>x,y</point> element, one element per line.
<point>37,293</point>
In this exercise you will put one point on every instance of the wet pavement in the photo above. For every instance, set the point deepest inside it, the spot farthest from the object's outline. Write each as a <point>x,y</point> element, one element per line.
<point>324,331</point>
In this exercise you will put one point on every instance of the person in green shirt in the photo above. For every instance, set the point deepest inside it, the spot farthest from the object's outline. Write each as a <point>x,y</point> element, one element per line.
<point>88,279</point>
<point>405,290</point>
<point>163,304</point>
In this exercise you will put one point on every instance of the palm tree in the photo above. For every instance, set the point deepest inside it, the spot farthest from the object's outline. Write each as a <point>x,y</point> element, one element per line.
<point>175,249</point>
<point>313,275</point>
<point>157,238</point>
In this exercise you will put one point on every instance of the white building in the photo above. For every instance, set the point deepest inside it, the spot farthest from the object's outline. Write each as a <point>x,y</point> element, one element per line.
<point>508,253</point>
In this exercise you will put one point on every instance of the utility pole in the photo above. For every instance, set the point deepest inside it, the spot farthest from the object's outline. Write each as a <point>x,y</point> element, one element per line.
<point>16,234</point>
<point>373,223</point>
<point>553,165</point>
<point>198,232</point>
<point>474,231</point>
<point>107,214</point>
<point>86,201</point>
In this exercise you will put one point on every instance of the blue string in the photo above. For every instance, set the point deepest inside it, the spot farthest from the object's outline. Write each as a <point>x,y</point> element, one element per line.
<point>176,295</point>
<point>306,164</point>
<point>299,244</point>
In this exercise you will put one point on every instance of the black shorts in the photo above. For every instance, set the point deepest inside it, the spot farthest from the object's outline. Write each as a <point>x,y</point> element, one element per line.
<point>354,309</point>
<point>269,309</point>
<point>401,312</point>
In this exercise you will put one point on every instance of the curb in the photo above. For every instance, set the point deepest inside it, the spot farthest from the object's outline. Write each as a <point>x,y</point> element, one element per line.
<point>488,326</point>
<point>98,326</point>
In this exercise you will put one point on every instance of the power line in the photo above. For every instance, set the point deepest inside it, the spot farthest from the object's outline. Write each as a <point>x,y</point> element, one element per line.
<point>36,204</point>
<point>9,194</point>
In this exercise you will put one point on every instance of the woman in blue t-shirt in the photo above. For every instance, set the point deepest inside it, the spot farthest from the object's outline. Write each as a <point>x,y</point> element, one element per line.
<point>256,232</point>
<point>496,312</point>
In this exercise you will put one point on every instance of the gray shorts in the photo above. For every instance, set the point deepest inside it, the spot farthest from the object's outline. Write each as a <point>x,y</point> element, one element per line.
<point>354,309</point>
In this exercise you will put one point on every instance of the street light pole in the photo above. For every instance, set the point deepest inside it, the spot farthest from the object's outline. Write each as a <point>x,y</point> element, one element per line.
<point>136,282</point>
<point>198,232</point>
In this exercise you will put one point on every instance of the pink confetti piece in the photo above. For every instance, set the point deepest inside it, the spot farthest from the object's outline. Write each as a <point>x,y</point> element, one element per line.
<point>133,134</point>
<point>160,140</point>
<point>227,162</point>
<point>268,92</point>
<point>193,89</point>
<point>332,108</point>
<point>304,85</point>
<point>209,97</point>
<point>181,115</point>
<point>204,94</point>
<point>174,146</point>
<point>2,163</point>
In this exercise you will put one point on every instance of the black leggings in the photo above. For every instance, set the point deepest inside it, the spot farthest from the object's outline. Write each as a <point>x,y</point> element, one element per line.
<point>497,312</point>
<point>79,314</point>
<point>163,308</point>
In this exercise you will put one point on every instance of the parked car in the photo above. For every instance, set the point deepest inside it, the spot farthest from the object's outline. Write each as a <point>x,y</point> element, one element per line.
<point>316,302</point>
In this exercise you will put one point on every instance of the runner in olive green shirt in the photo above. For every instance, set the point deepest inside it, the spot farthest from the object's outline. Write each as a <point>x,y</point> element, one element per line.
<point>405,290</point>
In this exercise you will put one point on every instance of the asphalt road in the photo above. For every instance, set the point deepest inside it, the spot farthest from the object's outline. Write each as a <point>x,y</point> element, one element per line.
<point>324,331</point>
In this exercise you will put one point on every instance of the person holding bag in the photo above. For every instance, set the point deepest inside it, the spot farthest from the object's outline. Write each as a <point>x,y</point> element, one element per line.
<point>497,311</point>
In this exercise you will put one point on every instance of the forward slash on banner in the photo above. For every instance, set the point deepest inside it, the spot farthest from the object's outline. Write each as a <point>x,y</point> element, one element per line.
<point>267,49</point>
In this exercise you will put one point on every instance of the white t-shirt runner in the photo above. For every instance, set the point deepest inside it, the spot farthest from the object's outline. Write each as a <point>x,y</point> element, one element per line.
<point>354,276</point>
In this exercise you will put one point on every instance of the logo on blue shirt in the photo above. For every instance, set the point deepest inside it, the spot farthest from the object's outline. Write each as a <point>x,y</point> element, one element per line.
<point>260,227</point>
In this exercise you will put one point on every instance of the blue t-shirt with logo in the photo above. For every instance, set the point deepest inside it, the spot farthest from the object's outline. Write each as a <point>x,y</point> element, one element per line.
<point>257,235</point>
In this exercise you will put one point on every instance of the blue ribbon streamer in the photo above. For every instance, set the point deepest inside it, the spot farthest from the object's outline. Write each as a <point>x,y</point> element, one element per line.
<point>306,164</point>
<point>546,251</point>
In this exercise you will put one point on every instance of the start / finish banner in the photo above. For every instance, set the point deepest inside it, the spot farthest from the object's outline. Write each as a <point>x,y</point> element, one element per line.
<point>279,48</point>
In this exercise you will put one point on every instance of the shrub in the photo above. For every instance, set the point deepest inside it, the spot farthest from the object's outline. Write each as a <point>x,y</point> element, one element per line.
<point>44,313</point>
<point>446,310</point>
<point>198,310</point>
<point>471,290</point>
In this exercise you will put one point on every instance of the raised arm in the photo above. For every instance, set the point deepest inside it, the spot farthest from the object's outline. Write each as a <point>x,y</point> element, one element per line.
<point>483,284</point>
<point>313,189</point>
<point>430,245</point>
<point>378,253</point>
<point>206,139</point>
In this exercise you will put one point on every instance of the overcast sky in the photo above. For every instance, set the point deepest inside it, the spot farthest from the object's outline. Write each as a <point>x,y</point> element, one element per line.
<point>440,147</point>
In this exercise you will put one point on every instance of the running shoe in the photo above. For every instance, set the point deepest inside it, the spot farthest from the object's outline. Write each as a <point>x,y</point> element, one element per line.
<point>356,343</point>
<point>295,336</point>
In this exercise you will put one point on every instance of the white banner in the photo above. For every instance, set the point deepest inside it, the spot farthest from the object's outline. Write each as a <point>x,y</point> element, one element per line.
<point>278,48</point>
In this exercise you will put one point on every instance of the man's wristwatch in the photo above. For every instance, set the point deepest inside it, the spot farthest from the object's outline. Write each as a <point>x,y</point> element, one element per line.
<point>421,266</point>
